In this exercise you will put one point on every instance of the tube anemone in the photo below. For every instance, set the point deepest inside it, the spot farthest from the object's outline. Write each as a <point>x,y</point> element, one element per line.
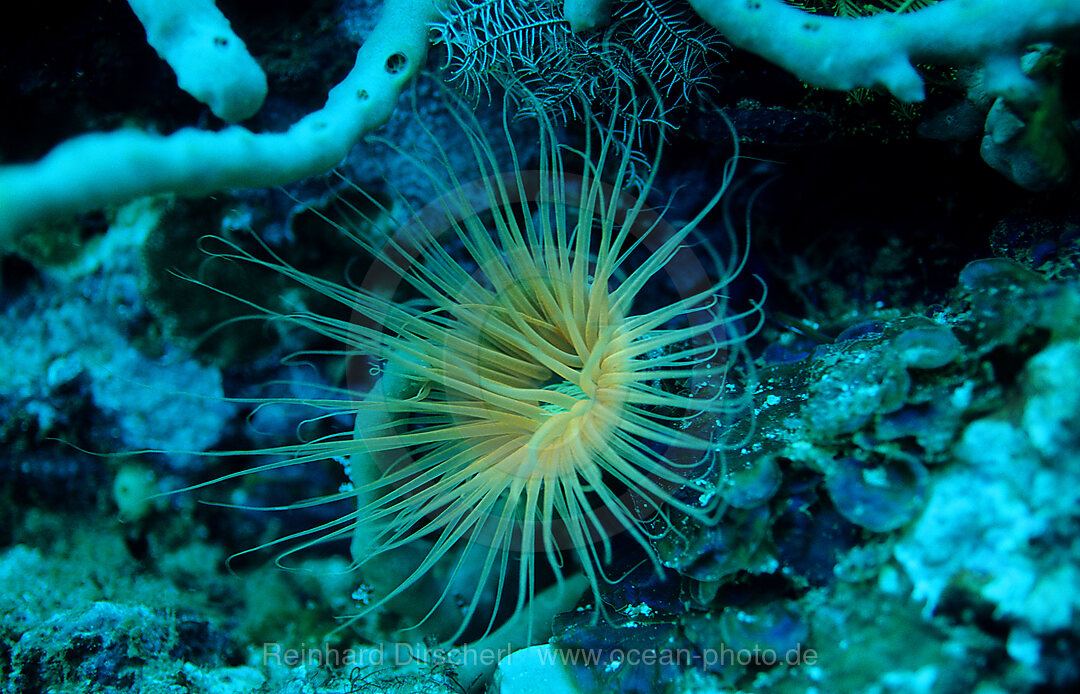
<point>527,409</point>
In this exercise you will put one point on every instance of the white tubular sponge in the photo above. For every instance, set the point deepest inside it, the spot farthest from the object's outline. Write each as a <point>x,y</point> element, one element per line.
<point>210,61</point>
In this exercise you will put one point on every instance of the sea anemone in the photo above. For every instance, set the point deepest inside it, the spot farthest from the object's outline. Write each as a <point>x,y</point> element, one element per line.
<point>525,408</point>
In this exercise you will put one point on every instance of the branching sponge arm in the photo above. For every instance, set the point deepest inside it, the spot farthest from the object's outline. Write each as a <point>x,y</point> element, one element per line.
<point>210,61</point>
<point>94,170</point>
<point>882,49</point>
